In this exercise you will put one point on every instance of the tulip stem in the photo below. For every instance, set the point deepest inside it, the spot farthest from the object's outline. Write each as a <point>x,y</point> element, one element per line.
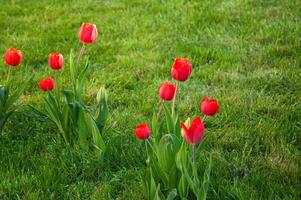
<point>160,109</point>
<point>56,80</point>
<point>8,74</point>
<point>194,154</point>
<point>147,142</point>
<point>174,100</point>
<point>80,55</point>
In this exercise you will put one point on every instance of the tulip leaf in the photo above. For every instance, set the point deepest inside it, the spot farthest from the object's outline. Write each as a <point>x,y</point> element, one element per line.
<point>81,81</point>
<point>83,130</point>
<point>4,91</point>
<point>205,185</point>
<point>69,95</point>
<point>4,118</point>
<point>169,120</point>
<point>183,187</point>
<point>72,70</point>
<point>192,186</point>
<point>157,194</point>
<point>172,194</point>
<point>54,115</point>
<point>103,108</point>
<point>66,121</point>
<point>154,126</point>
<point>152,190</point>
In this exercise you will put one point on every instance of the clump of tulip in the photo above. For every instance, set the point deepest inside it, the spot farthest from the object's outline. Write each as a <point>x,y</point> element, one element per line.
<point>10,93</point>
<point>79,125</point>
<point>172,150</point>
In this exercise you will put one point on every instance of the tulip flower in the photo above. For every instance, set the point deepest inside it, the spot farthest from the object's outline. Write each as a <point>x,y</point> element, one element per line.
<point>46,84</point>
<point>181,69</point>
<point>142,131</point>
<point>167,91</point>
<point>209,106</point>
<point>13,57</point>
<point>88,33</point>
<point>195,133</point>
<point>56,60</point>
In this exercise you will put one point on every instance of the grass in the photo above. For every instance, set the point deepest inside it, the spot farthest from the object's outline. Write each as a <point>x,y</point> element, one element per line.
<point>245,53</point>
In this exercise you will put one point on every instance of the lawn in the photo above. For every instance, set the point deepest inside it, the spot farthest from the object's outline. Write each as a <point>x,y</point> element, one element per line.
<point>245,53</point>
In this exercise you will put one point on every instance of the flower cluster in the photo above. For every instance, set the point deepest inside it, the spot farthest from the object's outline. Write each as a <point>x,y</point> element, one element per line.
<point>87,35</point>
<point>78,125</point>
<point>180,71</point>
<point>168,154</point>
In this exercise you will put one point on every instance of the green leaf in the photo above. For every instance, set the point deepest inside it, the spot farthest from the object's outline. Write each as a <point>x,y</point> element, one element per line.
<point>53,104</point>
<point>169,120</point>
<point>81,81</point>
<point>99,144</point>
<point>181,157</point>
<point>66,122</point>
<point>4,91</point>
<point>191,184</point>
<point>69,95</point>
<point>157,194</point>
<point>103,108</point>
<point>183,187</point>
<point>154,127</point>
<point>172,194</point>
<point>206,180</point>
<point>72,70</point>
<point>54,114</point>
<point>83,131</point>
<point>152,186</point>
<point>14,97</point>
<point>4,118</point>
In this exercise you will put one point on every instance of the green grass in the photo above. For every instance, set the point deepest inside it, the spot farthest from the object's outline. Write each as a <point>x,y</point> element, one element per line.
<point>245,53</point>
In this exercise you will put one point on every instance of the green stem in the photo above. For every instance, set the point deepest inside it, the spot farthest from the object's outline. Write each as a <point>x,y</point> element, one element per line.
<point>160,109</point>
<point>80,55</point>
<point>8,74</point>
<point>194,154</point>
<point>174,100</point>
<point>57,87</point>
<point>148,142</point>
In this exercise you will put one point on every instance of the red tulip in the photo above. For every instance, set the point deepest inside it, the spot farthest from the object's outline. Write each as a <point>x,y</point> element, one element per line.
<point>142,131</point>
<point>195,133</point>
<point>56,60</point>
<point>88,33</point>
<point>209,106</point>
<point>46,84</point>
<point>181,69</point>
<point>13,57</point>
<point>167,91</point>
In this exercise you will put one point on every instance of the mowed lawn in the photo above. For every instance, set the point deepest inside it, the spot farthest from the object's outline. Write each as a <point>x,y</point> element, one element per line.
<point>245,53</point>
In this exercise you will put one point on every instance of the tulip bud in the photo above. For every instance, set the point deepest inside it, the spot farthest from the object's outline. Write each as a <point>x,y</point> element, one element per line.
<point>209,106</point>
<point>46,84</point>
<point>167,91</point>
<point>181,69</point>
<point>142,131</point>
<point>56,60</point>
<point>187,124</point>
<point>88,33</point>
<point>102,95</point>
<point>13,57</point>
